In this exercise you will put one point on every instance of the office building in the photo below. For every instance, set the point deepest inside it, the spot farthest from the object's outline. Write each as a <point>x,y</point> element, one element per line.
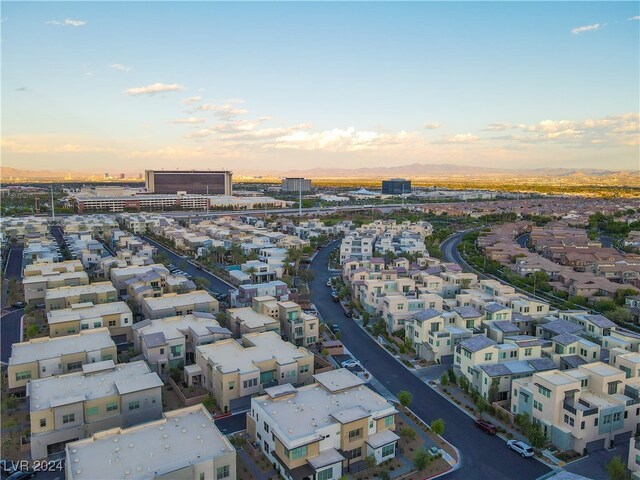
<point>396,186</point>
<point>295,184</point>
<point>192,182</point>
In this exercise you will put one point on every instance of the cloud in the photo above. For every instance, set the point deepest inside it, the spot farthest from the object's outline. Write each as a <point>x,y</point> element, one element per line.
<point>190,120</point>
<point>615,130</point>
<point>637,17</point>
<point>119,66</point>
<point>498,127</point>
<point>153,89</point>
<point>459,138</point>
<point>432,126</point>
<point>21,89</point>
<point>68,22</point>
<point>227,110</point>
<point>191,100</point>
<point>586,28</point>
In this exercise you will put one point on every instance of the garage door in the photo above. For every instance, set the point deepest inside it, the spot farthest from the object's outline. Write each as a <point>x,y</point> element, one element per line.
<point>595,445</point>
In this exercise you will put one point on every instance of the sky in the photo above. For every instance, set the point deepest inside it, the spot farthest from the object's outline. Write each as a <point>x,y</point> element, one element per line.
<point>129,86</point>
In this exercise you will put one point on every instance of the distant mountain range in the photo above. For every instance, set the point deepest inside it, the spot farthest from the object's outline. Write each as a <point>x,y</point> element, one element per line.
<point>413,171</point>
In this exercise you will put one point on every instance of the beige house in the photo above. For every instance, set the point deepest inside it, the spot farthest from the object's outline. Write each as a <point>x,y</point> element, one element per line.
<point>64,297</point>
<point>590,407</point>
<point>170,342</point>
<point>352,423</point>
<point>46,357</point>
<point>172,304</point>
<point>36,286</point>
<point>261,316</point>
<point>232,369</point>
<point>103,395</point>
<point>116,316</point>
<point>184,444</point>
<point>37,268</point>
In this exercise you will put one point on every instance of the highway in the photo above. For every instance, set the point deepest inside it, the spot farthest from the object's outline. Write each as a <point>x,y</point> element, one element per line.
<point>483,456</point>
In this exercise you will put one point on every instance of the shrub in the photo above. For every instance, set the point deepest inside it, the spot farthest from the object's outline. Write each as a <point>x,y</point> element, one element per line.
<point>444,381</point>
<point>405,398</point>
<point>421,459</point>
<point>408,433</point>
<point>437,426</point>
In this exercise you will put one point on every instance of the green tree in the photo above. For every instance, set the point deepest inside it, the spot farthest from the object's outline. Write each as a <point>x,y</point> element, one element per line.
<point>622,293</point>
<point>370,461</point>
<point>444,381</point>
<point>405,398</point>
<point>408,433</point>
<point>617,470</point>
<point>32,331</point>
<point>494,390</point>
<point>452,376</point>
<point>536,436</point>
<point>619,315</point>
<point>437,426</point>
<point>421,459</point>
<point>365,318</point>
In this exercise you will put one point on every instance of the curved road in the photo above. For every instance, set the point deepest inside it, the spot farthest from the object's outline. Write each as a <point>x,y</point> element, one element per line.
<point>483,456</point>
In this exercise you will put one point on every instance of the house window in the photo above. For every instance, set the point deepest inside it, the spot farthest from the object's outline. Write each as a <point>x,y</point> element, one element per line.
<point>71,417</point>
<point>91,411</point>
<point>266,427</point>
<point>612,388</point>
<point>231,385</point>
<point>201,475</point>
<point>107,357</point>
<point>84,326</point>
<point>544,391</point>
<point>134,405</point>
<point>388,421</point>
<point>71,330</point>
<point>97,324</point>
<point>527,352</point>
<point>23,375</point>
<point>355,453</point>
<point>112,323</point>
<point>43,422</point>
<point>250,383</point>
<point>487,357</point>
<point>355,434</point>
<point>584,382</point>
<point>296,453</point>
<point>325,474</point>
<point>304,368</point>
<point>388,450</point>
<point>616,417</point>
<point>222,472</point>
<point>112,407</point>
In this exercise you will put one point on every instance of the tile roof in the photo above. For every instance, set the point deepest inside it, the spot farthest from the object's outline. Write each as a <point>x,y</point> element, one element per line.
<point>477,343</point>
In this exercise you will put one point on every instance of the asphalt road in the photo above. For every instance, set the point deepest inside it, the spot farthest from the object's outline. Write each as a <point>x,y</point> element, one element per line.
<point>10,322</point>
<point>483,456</point>
<point>217,285</point>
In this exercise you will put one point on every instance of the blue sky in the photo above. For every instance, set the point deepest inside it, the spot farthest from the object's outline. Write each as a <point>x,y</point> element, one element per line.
<point>319,84</point>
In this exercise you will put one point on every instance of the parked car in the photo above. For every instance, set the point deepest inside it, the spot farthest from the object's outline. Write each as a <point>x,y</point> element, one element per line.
<point>18,304</point>
<point>486,426</point>
<point>328,283</point>
<point>349,363</point>
<point>521,448</point>
<point>7,466</point>
<point>347,313</point>
<point>22,474</point>
<point>335,328</point>
<point>334,297</point>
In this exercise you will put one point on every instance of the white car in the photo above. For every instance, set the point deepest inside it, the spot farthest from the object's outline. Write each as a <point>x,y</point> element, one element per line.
<point>521,448</point>
<point>350,363</point>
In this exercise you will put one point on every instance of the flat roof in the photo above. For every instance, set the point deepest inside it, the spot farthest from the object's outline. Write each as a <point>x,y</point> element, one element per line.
<point>67,291</point>
<point>54,275</point>
<point>300,416</point>
<point>176,327</point>
<point>43,348</point>
<point>84,311</point>
<point>337,380</point>
<point>602,369</point>
<point>183,437</point>
<point>250,318</point>
<point>176,300</point>
<point>229,355</point>
<point>78,386</point>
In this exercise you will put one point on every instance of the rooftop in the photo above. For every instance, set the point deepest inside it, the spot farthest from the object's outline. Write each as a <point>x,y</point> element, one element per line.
<point>337,380</point>
<point>176,327</point>
<point>477,343</point>
<point>68,291</point>
<point>43,348</point>
<point>183,437</point>
<point>230,356</point>
<point>97,380</point>
<point>87,310</point>
<point>250,318</point>
<point>172,300</point>
<point>311,408</point>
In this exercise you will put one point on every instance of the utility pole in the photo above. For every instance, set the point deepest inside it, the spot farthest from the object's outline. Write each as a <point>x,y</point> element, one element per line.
<point>53,207</point>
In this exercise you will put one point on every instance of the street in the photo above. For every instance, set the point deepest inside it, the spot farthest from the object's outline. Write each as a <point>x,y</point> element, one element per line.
<point>483,456</point>
<point>10,322</point>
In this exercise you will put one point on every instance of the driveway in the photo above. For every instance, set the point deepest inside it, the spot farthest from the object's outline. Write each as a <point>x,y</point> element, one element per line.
<point>594,465</point>
<point>483,456</point>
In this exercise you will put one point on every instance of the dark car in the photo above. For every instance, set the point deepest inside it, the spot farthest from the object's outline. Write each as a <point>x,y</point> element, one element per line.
<point>18,304</point>
<point>335,328</point>
<point>486,426</point>
<point>347,313</point>
<point>22,474</point>
<point>334,297</point>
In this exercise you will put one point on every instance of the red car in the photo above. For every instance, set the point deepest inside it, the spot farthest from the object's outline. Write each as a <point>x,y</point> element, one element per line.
<point>488,427</point>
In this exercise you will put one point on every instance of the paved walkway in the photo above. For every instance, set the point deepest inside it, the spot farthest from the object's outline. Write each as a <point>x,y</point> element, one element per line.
<point>247,460</point>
